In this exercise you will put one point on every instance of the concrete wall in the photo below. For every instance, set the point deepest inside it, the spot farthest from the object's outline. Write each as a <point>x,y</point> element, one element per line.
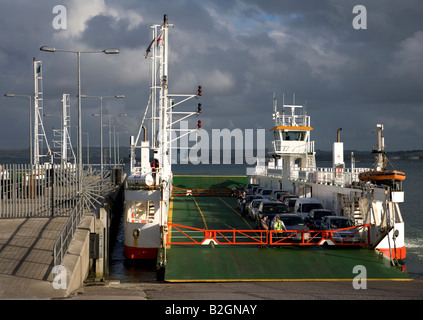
<point>76,260</point>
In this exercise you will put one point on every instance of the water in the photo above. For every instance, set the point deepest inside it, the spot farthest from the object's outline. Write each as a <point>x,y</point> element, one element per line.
<point>412,212</point>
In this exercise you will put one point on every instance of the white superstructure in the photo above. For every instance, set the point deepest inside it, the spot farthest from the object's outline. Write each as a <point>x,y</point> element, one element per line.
<point>293,168</point>
<point>149,186</point>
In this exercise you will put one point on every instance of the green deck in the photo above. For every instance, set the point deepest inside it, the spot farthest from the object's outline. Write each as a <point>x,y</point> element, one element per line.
<point>252,263</point>
<point>209,182</point>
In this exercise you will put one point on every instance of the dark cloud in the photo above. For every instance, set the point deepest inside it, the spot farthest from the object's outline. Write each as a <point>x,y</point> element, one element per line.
<point>240,51</point>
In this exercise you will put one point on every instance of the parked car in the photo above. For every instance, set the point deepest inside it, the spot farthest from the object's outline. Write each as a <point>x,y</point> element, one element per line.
<point>257,191</point>
<point>249,187</point>
<point>304,205</point>
<point>249,198</point>
<point>290,202</point>
<point>332,223</point>
<point>253,207</point>
<point>283,197</point>
<point>315,217</point>
<point>254,189</point>
<point>276,194</point>
<point>294,222</point>
<point>265,193</point>
<point>270,209</point>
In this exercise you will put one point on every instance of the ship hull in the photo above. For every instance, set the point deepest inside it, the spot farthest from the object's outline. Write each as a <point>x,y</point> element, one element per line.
<point>142,240</point>
<point>142,224</point>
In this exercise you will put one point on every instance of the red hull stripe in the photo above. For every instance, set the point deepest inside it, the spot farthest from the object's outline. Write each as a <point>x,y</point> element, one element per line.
<point>140,253</point>
<point>401,252</point>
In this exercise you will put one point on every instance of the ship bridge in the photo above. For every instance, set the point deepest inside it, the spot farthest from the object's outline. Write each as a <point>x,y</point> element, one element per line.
<point>292,136</point>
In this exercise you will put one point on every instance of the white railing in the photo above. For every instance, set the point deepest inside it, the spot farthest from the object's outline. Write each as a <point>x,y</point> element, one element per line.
<point>296,147</point>
<point>296,120</point>
<point>318,175</point>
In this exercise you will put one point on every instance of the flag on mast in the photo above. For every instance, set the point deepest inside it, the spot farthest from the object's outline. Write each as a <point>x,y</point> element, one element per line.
<point>157,41</point>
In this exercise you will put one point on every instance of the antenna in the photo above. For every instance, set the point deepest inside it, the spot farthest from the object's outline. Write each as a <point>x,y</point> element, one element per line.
<point>275,103</point>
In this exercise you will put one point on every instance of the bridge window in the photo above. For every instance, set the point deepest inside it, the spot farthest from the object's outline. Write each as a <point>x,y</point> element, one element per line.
<point>294,135</point>
<point>277,135</point>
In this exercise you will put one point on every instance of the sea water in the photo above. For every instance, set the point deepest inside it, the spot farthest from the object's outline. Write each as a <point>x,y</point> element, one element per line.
<point>411,208</point>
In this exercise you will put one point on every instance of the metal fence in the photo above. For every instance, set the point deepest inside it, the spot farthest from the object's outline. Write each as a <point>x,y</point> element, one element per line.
<point>93,193</point>
<point>53,190</point>
<point>37,191</point>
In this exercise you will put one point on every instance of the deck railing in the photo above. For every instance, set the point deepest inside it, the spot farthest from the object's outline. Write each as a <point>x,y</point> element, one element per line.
<point>336,176</point>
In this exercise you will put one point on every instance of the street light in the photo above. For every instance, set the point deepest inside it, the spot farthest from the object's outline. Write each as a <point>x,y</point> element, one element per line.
<point>78,54</point>
<point>12,95</point>
<point>101,124</point>
<point>52,49</point>
<point>110,132</point>
<point>118,146</point>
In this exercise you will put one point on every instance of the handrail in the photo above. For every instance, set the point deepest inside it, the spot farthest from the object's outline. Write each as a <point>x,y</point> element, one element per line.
<point>62,242</point>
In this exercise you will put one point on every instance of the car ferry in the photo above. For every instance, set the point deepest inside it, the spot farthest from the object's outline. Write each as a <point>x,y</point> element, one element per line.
<point>365,195</point>
<point>369,202</point>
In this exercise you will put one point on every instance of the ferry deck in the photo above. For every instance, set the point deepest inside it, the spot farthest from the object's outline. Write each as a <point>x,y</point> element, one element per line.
<point>188,260</point>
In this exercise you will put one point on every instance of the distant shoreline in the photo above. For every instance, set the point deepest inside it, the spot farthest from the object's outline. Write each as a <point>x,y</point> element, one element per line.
<point>21,156</point>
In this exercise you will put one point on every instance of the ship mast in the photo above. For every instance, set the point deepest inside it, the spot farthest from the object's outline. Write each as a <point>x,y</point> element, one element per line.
<point>381,162</point>
<point>39,132</point>
<point>164,113</point>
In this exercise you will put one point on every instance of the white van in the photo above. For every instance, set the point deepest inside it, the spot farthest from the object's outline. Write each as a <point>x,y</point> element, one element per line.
<point>304,205</point>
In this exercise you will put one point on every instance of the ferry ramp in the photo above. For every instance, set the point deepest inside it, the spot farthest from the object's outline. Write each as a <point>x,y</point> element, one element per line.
<point>211,262</point>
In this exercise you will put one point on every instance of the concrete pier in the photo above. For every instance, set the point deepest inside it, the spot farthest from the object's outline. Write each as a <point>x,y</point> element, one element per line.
<point>27,269</point>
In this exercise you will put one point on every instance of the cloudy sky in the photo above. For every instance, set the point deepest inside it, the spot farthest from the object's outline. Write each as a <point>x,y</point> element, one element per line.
<point>240,51</point>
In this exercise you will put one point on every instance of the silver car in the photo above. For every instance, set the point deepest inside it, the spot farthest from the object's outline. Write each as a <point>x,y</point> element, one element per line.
<point>347,233</point>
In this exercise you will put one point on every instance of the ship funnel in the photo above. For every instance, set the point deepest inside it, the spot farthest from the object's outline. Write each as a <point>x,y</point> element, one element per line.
<point>338,135</point>
<point>338,154</point>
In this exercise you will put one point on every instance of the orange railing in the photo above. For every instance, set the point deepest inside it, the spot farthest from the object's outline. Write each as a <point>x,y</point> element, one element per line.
<point>184,235</point>
<point>176,191</point>
<point>357,235</point>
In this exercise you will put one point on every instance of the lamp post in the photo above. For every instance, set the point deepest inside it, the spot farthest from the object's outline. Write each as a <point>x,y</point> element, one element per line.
<point>12,95</point>
<point>78,54</point>
<point>118,146</point>
<point>88,147</point>
<point>110,138</point>
<point>101,124</point>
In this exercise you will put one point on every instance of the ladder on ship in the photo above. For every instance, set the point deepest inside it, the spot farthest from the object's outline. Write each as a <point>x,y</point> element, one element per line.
<point>311,162</point>
<point>151,210</point>
<point>352,209</point>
